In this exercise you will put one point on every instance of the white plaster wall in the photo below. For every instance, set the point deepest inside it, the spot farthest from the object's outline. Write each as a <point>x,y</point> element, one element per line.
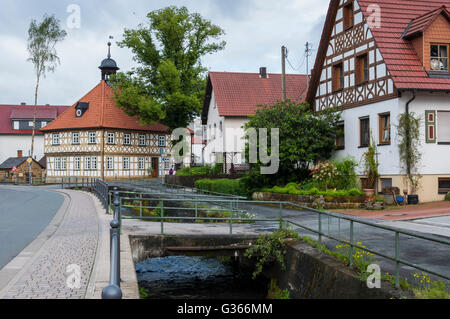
<point>388,157</point>
<point>215,142</point>
<point>9,144</point>
<point>435,158</point>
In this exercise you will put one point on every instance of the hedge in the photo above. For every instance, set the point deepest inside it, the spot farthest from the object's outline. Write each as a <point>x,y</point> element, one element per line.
<point>223,186</point>
<point>292,189</point>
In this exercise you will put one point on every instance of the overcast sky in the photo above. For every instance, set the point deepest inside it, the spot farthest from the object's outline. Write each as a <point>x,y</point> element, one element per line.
<point>255,31</point>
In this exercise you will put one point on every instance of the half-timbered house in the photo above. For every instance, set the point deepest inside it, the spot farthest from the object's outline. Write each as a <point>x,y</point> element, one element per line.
<point>376,60</point>
<point>95,138</point>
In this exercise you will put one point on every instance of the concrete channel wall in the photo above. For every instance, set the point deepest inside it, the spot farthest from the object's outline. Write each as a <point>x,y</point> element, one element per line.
<point>308,274</point>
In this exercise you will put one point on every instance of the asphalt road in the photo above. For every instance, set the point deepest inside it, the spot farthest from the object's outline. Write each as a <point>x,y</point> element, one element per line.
<point>24,213</point>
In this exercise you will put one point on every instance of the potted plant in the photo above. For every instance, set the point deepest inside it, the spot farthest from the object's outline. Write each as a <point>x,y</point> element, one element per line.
<point>371,168</point>
<point>413,198</point>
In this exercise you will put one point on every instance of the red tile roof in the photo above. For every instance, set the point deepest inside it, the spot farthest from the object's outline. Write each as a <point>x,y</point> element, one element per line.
<point>401,59</point>
<point>403,63</point>
<point>25,112</point>
<point>102,113</point>
<point>420,24</point>
<point>239,94</point>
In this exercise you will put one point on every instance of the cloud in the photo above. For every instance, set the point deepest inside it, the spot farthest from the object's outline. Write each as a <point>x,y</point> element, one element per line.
<point>255,31</point>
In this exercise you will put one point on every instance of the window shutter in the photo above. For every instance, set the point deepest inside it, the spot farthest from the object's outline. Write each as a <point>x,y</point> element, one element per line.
<point>430,126</point>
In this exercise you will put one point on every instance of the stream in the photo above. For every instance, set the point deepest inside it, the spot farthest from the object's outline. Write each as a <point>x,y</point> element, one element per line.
<point>182,277</point>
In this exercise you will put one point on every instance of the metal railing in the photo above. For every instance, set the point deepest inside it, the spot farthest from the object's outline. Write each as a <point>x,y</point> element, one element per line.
<point>113,291</point>
<point>164,207</point>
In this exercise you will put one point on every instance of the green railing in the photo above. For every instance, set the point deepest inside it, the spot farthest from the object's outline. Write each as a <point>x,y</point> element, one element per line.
<point>165,205</point>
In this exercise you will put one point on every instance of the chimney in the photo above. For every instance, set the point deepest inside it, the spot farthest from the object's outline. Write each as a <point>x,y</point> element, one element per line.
<point>263,72</point>
<point>23,103</point>
<point>19,154</point>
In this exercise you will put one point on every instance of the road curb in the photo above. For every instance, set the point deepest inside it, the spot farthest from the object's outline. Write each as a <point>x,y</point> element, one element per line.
<point>12,271</point>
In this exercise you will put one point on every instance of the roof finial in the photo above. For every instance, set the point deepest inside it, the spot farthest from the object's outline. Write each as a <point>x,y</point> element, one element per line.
<point>109,47</point>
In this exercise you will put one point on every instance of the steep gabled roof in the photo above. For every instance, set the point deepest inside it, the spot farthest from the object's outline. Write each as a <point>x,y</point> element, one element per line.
<point>402,62</point>
<point>239,94</point>
<point>14,161</point>
<point>102,113</point>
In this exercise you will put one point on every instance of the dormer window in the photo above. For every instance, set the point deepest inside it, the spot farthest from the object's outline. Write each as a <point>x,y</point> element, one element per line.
<point>81,108</point>
<point>348,16</point>
<point>439,57</point>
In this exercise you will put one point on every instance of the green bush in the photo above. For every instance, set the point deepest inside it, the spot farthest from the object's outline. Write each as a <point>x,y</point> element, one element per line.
<point>201,170</point>
<point>314,192</point>
<point>224,186</point>
<point>447,197</point>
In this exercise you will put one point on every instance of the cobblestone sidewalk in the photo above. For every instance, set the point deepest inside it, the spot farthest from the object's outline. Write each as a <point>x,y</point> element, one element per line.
<point>74,243</point>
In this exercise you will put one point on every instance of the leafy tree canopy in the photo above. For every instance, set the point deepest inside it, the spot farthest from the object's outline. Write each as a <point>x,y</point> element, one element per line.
<point>305,138</point>
<point>168,85</point>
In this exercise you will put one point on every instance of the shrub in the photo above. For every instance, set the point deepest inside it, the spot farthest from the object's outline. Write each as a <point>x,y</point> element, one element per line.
<point>447,197</point>
<point>324,173</point>
<point>201,170</point>
<point>224,186</point>
<point>314,191</point>
<point>345,177</point>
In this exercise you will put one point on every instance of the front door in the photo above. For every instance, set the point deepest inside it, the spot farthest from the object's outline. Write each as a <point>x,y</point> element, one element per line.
<point>155,167</point>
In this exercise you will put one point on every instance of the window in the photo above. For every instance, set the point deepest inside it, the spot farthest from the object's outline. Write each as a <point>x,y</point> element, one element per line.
<point>338,77</point>
<point>439,57</point>
<point>75,138</point>
<point>142,140</point>
<point>362,69</point>
<point>109,163</point>
<point>221,129</point>
<point>30,124</point>
<point>340,137</point>
<point>92,138</point>
<point>111,138</point>
<point>77,163</point>
<point>430,125</point>
<point>55,139</point>
<point>166,163</point>
<point>57,163</point>
<point>162,140</point>
<point>385,128</point>
<point>63,163</point>
<point>126,139</point>
<point>348,16</point>
<point>43,124</point>
<point>141,163</point>
<point>94,163</point>
<point>126,163</point>
<point>386,183</point>
<point>16,125</point>
<point>87,163</point>
<point>443,127</point>
<point>444,185</point>
<point>364,131</point>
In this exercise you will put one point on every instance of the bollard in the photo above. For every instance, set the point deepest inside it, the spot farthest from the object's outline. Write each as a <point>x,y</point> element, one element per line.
<point>113,291</point>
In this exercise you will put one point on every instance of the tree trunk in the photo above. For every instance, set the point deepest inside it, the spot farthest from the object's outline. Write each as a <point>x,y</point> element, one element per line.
<point>34,129</point>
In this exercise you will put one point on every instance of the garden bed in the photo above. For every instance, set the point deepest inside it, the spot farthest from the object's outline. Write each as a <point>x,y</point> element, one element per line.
<point>321,201</point>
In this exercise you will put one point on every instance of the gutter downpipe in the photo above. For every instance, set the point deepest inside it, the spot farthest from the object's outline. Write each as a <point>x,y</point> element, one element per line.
<point>408,164</point>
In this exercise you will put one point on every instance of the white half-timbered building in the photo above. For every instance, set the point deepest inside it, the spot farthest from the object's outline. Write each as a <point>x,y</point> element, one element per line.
<point>376,60</point>
<point>95,138</point>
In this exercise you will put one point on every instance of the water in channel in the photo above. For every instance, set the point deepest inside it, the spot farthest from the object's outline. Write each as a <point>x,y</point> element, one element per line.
<point>183,277</point>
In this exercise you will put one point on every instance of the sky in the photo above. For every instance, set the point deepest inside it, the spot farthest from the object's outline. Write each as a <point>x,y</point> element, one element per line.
<point>255,30</point>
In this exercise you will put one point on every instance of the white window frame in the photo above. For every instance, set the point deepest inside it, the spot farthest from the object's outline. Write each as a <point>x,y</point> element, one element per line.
<point>56,139</point>
<point>142,140</point>
<point>57,163</point>
<point>92,138</point>
<point>126,163</point>
<point>162,140</point>
<point>127,139</point>
<point>111,138</point>
<point>77,163</point>
<point>94,163</point>
<point>87,163</point>
<point>64,163</point>
<point>76,138</point>
<point>16,125</point>
<point>166,163</point>
<point>109,163</point>
<point>141,163</point>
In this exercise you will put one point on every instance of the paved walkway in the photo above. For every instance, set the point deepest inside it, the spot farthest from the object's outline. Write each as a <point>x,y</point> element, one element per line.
<point>403,213</point>
<point>49,274</point>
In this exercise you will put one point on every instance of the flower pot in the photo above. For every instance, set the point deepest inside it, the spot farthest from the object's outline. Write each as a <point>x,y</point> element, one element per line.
<point>369,191</point>
<point>413,199</point>
<point>388,199</point>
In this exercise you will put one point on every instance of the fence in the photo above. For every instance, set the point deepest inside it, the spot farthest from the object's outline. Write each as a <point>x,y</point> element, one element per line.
<point>234,212</point>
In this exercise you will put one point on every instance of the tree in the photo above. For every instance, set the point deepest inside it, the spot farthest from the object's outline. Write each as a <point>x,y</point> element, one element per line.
<point>42,39</point>
<point>305,138</point>
<point>169,83</point>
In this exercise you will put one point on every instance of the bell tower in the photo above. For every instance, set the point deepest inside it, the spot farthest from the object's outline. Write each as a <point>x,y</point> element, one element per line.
<point>108,65</point>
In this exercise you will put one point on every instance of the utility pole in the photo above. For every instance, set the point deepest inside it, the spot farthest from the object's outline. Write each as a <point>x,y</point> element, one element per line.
<point>307,54</point>
<point>283,71</point>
